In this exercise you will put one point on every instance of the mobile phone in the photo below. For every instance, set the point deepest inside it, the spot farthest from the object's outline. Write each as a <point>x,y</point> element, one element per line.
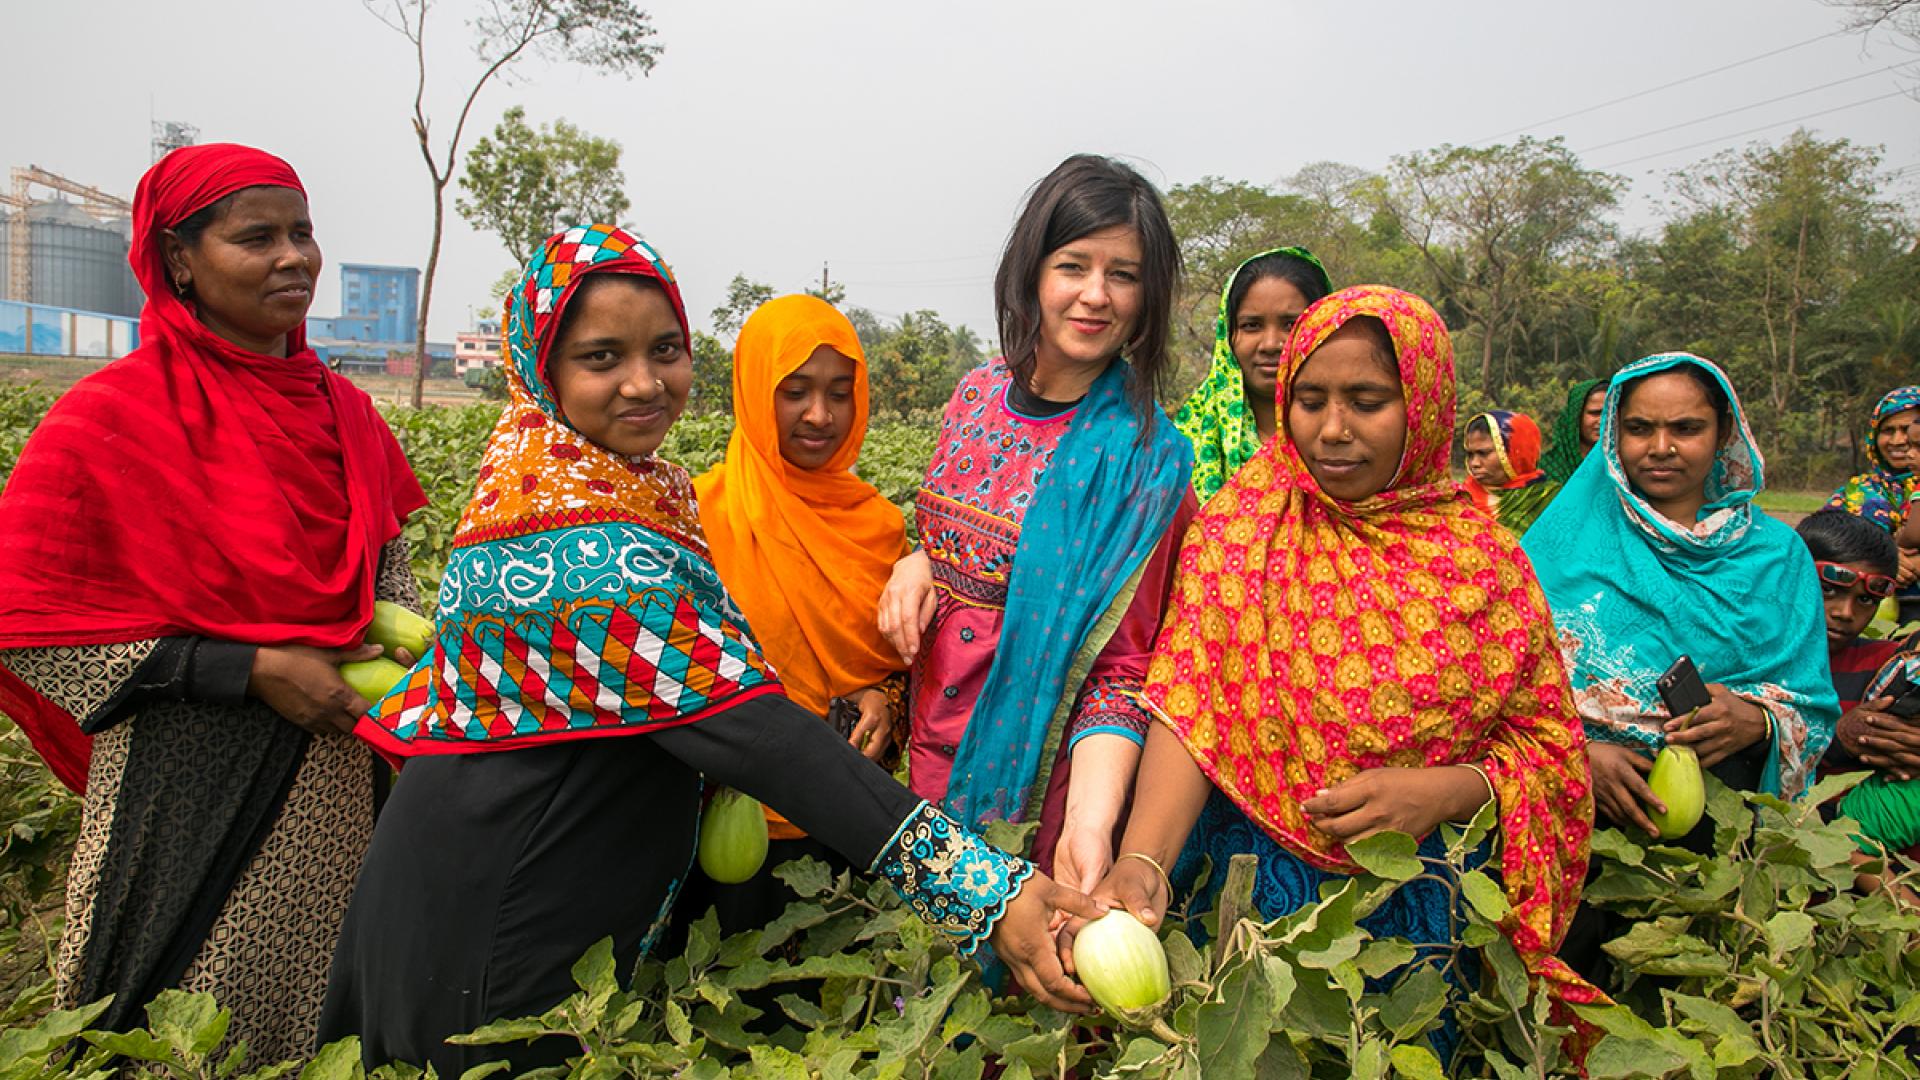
<point>1906,698</point>
<point>1682,689</point>
<point>844,715</point>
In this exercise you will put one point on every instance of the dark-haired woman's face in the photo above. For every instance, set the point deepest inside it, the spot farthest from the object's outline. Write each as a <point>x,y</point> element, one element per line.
<point>1669,437</point>
<point>621,370</point>
<point>250,275</point>
<point>1895,435</point>
<point>1260,330</point>
<point>1590,413</point>
<point>1483,464</point>
<point>1090,296</point>
<point>1347,416</point>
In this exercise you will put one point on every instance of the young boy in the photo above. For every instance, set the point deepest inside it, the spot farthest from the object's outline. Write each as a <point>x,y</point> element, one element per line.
<point>1856,562</point>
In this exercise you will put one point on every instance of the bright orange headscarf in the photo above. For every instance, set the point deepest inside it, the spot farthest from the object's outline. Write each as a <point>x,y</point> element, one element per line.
<point>804,552</point>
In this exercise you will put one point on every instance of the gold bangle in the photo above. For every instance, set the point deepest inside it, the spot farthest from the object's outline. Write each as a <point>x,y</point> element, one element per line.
<point>1149,860</point>
<point>1493,794</point>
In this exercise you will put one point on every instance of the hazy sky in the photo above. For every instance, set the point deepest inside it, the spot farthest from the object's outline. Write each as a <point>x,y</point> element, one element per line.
<point>894,140</point>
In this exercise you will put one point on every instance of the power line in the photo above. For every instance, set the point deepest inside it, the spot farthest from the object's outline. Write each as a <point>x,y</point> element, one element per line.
<point>1743,108</point>
<point>1755,130</point>
<point>1663,86</point>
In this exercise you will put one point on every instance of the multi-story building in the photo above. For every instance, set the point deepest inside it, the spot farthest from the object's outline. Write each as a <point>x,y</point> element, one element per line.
<point>389,295</point>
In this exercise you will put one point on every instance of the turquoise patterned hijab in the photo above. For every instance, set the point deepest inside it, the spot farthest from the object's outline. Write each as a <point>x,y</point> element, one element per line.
<point>1632,591</point>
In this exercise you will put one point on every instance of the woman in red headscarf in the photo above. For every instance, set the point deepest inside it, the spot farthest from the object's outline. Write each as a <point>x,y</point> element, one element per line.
<point>191,544</point>
<point>1504,477</point>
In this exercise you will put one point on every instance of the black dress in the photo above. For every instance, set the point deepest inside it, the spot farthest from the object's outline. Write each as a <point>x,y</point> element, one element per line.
<point>491,873</point>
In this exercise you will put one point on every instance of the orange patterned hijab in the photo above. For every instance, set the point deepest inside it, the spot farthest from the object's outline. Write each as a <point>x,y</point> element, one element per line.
<point>1308,639</point>
<point>805,552</point>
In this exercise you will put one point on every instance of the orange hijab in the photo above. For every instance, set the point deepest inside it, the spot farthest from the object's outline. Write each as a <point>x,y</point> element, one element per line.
<point>804,552</point>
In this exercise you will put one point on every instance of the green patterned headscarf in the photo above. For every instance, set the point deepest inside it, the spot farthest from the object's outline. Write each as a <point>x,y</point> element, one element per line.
<point>1215,418</point>
<point>1563,443</point>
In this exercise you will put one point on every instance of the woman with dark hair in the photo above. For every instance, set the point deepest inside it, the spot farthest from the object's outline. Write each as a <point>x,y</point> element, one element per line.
<point>590,676</point>
<point>1575,430</point>
<point>1503,475</point>
<point>1351,648</point>
<point>1048,520</point>
<point>1231,412</point>
<point>1882,494</point>
<point>193,540</point>
<point>1855,561</point>
<point>1656,552</point>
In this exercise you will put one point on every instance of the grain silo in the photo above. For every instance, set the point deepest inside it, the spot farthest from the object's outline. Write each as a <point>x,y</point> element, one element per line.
<point>79,262</point>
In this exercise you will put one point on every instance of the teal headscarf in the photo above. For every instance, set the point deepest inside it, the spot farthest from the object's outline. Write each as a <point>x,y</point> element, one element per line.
<point>1631,592</point>
<point>1216,417</point>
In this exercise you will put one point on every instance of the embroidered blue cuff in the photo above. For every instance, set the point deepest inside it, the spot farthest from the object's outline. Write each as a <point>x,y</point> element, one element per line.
<point>951,878</point>
<point>1137,738</point>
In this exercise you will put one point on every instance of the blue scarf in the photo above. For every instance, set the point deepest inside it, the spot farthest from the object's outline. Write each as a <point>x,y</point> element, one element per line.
<point>1631,592</point>
<point>1098,512</point>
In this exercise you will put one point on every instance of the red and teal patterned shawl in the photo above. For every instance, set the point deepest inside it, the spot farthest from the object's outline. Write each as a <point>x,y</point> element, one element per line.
<point>580,600</point>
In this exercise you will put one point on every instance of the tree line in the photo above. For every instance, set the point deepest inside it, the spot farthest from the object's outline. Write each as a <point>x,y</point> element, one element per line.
<point>1787,263</point>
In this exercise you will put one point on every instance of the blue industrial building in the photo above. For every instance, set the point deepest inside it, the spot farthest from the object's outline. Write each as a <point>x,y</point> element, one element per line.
<point>389,295</point>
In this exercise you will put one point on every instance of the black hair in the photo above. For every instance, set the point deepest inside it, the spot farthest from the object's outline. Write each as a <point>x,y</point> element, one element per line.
<point>1716,393</point>
<point>1837,536</point>
<point>1082,195</point>
<point>195,225</point>
<point>1309,278</point>
<point>594,281</point>
<point>1481,423</point>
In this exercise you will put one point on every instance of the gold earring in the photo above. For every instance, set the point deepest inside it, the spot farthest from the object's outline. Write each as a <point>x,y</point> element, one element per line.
<point>180,287</point>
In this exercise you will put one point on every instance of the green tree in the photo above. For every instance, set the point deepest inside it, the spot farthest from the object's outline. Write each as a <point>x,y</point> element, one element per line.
<point>743,295</point>
<point>604,35</point>
<point>523,183</point>
<point>1798,225</point>
<point>1488,223</point>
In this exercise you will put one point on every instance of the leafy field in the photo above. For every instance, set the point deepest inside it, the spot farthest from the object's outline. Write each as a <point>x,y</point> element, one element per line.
<point>1765,963</point>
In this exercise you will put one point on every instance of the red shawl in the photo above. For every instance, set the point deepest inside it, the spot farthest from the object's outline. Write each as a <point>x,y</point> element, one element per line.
<point>194,487</point>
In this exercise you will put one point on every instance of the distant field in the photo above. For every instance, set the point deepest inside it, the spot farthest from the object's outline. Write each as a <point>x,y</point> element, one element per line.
<point>59,373</point>
<point>1801,503</point>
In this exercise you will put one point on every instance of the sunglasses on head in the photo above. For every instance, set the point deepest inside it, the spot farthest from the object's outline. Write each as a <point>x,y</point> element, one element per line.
<point>1879,585</point>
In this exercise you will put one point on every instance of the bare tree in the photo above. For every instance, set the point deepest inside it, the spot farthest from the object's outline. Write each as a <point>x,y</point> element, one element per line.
<point>608,35</point>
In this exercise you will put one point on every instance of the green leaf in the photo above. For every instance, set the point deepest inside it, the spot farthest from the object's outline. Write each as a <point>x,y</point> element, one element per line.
<point>1417,1063</point>
<point>920,1020</point>
<point>1379,959</point>
<point>138,1045</point>
<point>806,876</point>
<point>1371,1062</point>
<point>1613,844</point>
<point>522,1029</point>
<point>481,1072</point>
<point>1486,895</point>
<point>192,1023</point>
<point>1184,963</point>
<point>338,1060</point>
<point>1789,931</point>
<point>1390,855</point>
<point>1834,786</point>
<point>1283,1061</point>
<point>1280,982</point>
<point>594,971</point>
<point>778,1063</point>
<point>679,1026</point>
<point>1622,1057</point>
<point>1232,1032</point>
<point>1415,1003</point>
<point>703,941</point>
